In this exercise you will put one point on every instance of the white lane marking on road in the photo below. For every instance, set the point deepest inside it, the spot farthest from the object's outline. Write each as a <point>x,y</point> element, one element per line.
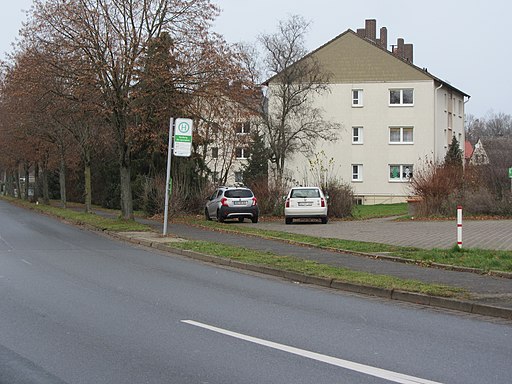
<point>366,369</point>
<point>26,262</point>
<point>6,243</point>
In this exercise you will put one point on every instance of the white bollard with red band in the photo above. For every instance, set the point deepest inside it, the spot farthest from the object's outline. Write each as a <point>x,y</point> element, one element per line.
<point>459,226</point>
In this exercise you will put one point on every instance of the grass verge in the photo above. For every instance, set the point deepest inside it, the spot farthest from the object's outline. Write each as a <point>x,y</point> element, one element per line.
<point>320,242</point>
<point>81,218</point>
<point>312,268</point>
<point>485,260</point>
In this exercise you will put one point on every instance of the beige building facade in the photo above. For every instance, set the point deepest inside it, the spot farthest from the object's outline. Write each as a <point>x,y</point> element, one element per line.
<point>394,116</point>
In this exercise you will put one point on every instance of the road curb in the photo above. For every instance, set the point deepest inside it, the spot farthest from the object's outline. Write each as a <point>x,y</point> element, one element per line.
<point>410,297</point>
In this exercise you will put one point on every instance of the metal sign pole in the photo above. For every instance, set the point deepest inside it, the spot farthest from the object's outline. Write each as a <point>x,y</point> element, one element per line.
<point>168,180</point>
<point>510,176</point>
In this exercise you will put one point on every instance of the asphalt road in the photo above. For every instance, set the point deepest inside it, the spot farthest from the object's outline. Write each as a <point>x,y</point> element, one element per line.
<point>76,307</point>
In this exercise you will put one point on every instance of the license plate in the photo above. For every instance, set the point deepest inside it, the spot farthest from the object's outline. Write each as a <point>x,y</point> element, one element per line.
<point>239,202</point>
<point>305,204</point>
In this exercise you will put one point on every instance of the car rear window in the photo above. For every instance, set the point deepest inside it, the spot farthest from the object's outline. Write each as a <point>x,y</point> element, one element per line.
<point>236,193</point>
<point>298,193</point>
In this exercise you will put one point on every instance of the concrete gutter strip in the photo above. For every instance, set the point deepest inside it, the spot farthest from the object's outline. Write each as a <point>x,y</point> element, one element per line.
<point>363,289</point>
<point>411,297</point>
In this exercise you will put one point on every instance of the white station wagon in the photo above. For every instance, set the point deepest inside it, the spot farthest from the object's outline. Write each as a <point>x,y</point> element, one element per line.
<point>305,202</point>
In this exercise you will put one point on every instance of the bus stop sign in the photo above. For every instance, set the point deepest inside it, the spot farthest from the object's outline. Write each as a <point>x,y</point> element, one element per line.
<point>183,137</point>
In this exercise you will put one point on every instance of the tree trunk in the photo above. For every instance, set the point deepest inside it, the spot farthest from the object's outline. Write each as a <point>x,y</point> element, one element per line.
<point>27,181</point>
<point>46,194</point>
<point>3,187</point>
<point>36,182</point>
<point>87,178</point>
<point>62,178</point>
<point>126,187</point>
<point>17,182</point>
<point>9,184</point>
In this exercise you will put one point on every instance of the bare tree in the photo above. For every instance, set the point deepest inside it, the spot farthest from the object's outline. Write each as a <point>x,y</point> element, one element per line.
<point>292,121</point>
<point>499,124</point>
<point>112,36</point>
<point>492,125</point>
<point>33,107</point>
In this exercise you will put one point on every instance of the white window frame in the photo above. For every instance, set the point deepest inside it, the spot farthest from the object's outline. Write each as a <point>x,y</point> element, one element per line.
<point>357,172</point>
<point>357,139</point>
<point>402,171</point>
<point>245,128</point>
<point>401,102</point>
<point>244,153</point>
<point>357,98</point>
<point>401,140</point>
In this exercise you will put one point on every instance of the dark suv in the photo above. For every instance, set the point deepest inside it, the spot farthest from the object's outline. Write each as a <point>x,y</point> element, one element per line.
<point>232,203</point>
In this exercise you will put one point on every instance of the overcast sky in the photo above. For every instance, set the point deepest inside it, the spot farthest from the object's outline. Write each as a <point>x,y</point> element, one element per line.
<point>466,43</point>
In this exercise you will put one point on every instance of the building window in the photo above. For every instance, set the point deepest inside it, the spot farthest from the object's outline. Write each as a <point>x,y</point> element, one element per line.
<point>357,135</point>
<point>215,152</point>
<point>215,128</point>
<point>400,172</point>
<point>401,135</point>
<point>239,177</point>
<point>401,96</point>
<point>357,97</point>
<point>242,153</point>
<point>243,128</point>
<point>357,172</point>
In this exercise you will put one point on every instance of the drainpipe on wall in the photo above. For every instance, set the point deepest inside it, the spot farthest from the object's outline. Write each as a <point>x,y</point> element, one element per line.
<point>464,128</point>
<point>435,121</point>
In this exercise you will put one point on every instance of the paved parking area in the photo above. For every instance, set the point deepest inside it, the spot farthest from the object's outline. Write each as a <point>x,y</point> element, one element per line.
<point>484,234</point>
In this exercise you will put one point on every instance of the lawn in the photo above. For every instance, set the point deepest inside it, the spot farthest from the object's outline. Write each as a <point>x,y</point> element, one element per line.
<point>363,212</point>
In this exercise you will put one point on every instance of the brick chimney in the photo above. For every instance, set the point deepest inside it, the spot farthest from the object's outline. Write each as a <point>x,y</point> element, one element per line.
<point>371,29</point>
<point>383,39</point>
<point>369,32</point>
<point>400,47</point>
<point>408,53</point>
<point>402,50</point>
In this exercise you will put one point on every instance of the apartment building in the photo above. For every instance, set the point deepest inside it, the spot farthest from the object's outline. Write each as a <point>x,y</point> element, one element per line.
<point>394,115</point>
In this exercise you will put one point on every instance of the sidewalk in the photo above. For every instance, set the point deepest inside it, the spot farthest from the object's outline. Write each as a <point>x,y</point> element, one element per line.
<point>488,292</point>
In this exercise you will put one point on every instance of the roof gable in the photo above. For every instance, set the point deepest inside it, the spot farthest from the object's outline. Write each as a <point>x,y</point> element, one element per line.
<point>468,149</point>
<point>350,58</point>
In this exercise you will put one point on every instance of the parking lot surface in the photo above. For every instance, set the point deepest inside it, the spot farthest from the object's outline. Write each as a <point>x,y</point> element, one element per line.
<point>483,234</point>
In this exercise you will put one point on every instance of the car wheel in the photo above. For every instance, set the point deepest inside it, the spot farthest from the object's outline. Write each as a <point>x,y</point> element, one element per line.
<point>220,218</point>
<point>240,219</point>
<point>288,220</point>
<point>325,220</point>
<point>207,215</point>
<point>254,219</point>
